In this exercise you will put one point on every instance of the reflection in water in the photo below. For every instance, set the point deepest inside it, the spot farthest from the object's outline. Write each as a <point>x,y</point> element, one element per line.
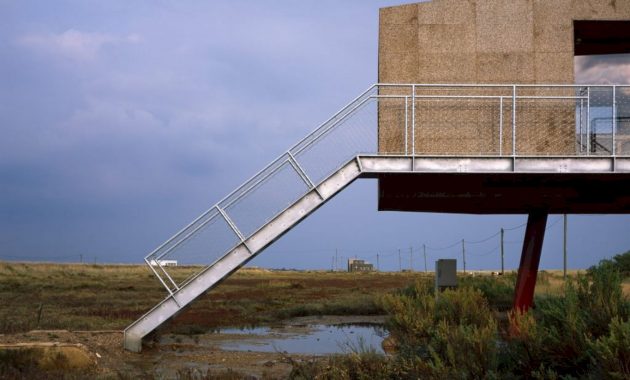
<point>312,339</point>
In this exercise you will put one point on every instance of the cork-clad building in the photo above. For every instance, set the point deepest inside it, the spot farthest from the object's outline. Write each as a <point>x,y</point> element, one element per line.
<point>488,42</point>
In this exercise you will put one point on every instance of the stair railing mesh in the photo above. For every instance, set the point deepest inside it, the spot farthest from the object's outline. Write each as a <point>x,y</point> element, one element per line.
<point>405,120</point>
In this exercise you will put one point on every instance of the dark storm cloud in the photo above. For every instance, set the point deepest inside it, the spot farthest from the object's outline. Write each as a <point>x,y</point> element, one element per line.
<point>122,121</point>
<point>110,105</point>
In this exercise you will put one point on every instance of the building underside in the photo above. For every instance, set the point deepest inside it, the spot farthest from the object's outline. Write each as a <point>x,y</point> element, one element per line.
<point>506,193</point>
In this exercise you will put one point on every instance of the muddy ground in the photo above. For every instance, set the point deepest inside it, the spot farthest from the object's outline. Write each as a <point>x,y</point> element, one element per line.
<point>102,352</point>
<point>109,360</point>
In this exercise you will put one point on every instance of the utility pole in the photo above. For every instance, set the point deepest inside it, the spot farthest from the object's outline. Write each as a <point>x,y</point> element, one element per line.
<point>336,260</point>
<point>424,251</point>
<point>502,252</point>
<point>464,255</point>
<point>81,258</point>
<point>378,265</point>
<point>564,247</point>
<point>399,261</point>
<point>411,258</point>
<point>332,266</point>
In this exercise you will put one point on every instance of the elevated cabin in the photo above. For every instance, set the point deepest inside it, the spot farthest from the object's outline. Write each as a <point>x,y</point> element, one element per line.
<point>450,48</point>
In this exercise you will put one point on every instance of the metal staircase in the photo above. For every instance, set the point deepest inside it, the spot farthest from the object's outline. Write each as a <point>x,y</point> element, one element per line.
<point>387,129</point>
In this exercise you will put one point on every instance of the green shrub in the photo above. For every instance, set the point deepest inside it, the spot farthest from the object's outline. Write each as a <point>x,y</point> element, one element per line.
<point>499,291</point>
<point>620,262</point>
<point>602,296</point>
<point>557,337</point>
<point>524,349</point>
<point>583,332</point>
<point>610,354</point>
<point>454,335</point>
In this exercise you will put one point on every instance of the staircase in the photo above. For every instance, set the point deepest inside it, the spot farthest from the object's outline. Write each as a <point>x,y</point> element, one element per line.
<point>352,144</point>
<point>261,210</point>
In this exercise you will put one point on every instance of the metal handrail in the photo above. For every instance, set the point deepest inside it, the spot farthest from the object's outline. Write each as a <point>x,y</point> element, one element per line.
<point>511,95</point>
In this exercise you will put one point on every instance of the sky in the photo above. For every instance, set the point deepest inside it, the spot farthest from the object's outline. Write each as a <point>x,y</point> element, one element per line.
<point>123,121</point>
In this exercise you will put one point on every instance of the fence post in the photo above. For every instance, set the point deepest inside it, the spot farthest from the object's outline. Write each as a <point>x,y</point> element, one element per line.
<point>502,252</point>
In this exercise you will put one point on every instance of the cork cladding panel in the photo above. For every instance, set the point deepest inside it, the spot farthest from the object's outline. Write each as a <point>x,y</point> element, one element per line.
<point>483,41</point>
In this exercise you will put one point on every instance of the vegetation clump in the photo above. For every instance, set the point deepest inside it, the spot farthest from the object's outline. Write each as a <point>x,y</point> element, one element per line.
<point>581,332</point>
<point>36,363</point>
<point>620,262</point>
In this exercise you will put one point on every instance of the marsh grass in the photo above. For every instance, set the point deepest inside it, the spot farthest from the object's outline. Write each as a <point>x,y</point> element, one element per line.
<point>110,297</point>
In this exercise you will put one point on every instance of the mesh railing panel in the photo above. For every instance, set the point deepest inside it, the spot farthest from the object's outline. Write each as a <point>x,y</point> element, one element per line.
<point>546,120</point>
<point>622,136</point>
<point>265,199</point>
<point>449,126</point>
<point>545,127</point>
<point>351,136</point>
<point>600,139</point>
<point>334,121</point>
<point>202,243</point>
<point>395,113</point>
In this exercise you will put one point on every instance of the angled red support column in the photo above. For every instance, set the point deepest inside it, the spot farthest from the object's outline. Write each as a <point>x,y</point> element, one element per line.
<point>530,258</point>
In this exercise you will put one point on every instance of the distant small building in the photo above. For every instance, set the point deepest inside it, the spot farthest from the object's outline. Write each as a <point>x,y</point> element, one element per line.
<point>163,263</point>
<point>355,265</point>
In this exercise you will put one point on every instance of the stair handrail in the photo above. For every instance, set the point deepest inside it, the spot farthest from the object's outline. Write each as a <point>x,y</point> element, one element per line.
<point>323,128</point>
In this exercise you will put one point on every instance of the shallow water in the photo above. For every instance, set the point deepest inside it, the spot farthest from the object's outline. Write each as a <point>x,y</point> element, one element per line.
<point>309,339</point>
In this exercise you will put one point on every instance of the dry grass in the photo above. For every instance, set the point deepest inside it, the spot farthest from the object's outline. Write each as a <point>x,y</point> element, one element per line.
<point>110,297</point>
<point>104,297</point>
<point>551,282</point>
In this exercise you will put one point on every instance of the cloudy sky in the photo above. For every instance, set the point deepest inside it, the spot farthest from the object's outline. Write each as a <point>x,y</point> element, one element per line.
<point>122,121</point>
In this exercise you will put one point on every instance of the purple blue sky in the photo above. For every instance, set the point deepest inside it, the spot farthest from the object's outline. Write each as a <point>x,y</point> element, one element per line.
<point>122,121</point>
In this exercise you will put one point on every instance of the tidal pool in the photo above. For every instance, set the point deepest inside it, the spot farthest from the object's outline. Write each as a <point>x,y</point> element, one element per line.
<point>317,339</point>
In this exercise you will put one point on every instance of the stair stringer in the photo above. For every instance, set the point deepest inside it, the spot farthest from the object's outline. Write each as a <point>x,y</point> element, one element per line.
<point>212,275</point>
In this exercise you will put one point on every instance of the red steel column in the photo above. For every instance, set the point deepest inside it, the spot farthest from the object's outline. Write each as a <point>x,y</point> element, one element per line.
<point>530,258</point>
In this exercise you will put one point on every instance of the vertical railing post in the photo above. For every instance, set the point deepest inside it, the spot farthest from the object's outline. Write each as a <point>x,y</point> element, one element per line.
<point>406,124</point>
<point>167,275</point>
<point>580,124</point>
<point>614,126</point>
<point>413,127</point>
<point>513,120</point>
<point>588,121</point>
<point>501,126</point>
<point>234,228</point>
<point>158,276</point>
